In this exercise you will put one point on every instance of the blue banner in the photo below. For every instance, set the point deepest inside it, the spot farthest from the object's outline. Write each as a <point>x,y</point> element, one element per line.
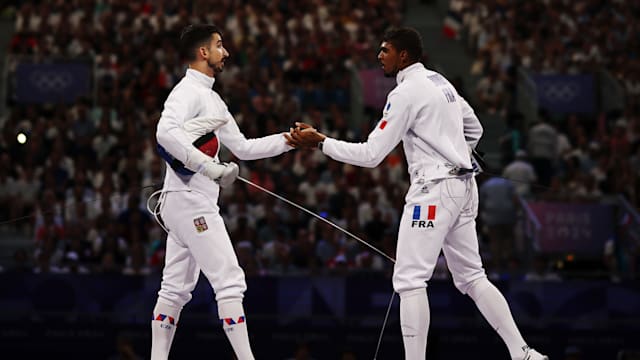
<point>60,82</point>
<point>566,93</point>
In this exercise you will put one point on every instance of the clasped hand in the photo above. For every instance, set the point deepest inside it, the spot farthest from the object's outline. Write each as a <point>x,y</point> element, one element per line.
<point>304,136</point>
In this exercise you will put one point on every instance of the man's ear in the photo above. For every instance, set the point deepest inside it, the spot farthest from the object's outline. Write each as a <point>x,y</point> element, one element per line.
<point>202,51</point>
<point>404,57</point>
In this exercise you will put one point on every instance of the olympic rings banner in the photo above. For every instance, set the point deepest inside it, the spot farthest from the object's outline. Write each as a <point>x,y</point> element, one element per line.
<point>566,93</point>
<point>56,82</point>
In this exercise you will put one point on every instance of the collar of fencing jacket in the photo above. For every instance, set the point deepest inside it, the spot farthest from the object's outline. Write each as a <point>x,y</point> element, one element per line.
<point>201,78</point>
<point>402,74</point>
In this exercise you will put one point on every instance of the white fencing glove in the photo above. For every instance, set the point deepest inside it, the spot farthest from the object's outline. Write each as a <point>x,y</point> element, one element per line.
<point>229,174</point>
<point>222,173</point>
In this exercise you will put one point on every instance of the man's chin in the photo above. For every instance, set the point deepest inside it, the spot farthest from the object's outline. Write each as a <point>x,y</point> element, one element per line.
<point>390,74</point>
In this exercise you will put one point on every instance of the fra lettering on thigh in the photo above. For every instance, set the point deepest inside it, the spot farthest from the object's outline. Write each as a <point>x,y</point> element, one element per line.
<point>418,218</point>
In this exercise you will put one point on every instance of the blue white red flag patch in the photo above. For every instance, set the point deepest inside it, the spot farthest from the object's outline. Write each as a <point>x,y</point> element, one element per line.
<point>231,321</point>
<point>163,317</point>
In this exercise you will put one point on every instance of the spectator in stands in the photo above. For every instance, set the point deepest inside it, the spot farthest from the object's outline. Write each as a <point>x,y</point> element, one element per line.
<point>248,259</point>
<point>49,234</point>
<point>490,91</point>
<point>513,138</point>
<point>133,219</point>
<point>72,264</point>
<point>620,251</point>
<point>498,213</point>
<point>136,262</point>
<point>302,252</point>
<point>111,250</point>
<point>542,148</point>
<point>541,271</point>
<point>276,253</point>
<point>521,173</point>
<point>328,244</point>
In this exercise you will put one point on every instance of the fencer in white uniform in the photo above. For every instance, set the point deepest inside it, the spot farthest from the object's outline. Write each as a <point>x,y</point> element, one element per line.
<point>438,129</point>
<point>195,120</point>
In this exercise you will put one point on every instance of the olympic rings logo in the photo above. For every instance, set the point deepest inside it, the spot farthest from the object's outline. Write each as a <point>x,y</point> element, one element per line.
<point>51,81</point>
<point>564,92</point>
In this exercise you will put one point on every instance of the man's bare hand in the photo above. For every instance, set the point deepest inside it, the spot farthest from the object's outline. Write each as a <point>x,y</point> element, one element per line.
<point>304,136</point>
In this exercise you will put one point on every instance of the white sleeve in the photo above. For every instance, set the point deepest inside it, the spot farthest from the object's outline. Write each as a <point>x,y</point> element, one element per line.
<point>172,136</point>
<point>250,149</point>
<point>471,124</point>
<point>384,138</point>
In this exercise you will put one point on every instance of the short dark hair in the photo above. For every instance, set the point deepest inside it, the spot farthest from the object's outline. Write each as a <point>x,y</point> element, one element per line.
<point>194,36</point>
<point>405,38</point>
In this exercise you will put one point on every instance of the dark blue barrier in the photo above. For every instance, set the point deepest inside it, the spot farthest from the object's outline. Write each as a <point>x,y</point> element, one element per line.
<point>81,316</point>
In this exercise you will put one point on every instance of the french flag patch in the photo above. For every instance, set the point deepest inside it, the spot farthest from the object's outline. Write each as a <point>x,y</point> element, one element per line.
<point>231,321</point>
<point>383,124</point>
<point>162,317</point>
<point>417,219</point>
<point>431,212</point>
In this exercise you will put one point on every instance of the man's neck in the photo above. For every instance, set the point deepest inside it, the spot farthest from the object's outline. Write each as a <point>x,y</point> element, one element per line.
<point>407,65</point>
<point>202,67</point>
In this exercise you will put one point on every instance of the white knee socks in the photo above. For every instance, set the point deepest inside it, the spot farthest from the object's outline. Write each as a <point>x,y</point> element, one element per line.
<point>414,322</point>
<point>495,309</point>
<point>235,327</point>
<point>163,328</point>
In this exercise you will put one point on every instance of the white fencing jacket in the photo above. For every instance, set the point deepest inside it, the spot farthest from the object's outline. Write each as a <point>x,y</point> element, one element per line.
<point>436,125</point>
<point>194,109</point>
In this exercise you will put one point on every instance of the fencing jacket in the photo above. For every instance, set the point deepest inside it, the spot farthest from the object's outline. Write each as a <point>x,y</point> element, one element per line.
<point>192,110</point>
<point>436,125</point>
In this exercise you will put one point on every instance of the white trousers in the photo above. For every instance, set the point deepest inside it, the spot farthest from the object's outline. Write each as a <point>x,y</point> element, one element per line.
<point>197,240</point>
<point>438,215</point>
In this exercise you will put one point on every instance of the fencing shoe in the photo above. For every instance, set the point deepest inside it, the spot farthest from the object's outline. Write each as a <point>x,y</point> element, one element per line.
<point>531,354</point>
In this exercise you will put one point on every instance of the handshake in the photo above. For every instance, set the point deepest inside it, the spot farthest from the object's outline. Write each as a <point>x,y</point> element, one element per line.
<point>304,136</point>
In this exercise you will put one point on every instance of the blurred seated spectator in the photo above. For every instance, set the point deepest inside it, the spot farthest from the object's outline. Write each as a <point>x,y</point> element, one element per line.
<point>521,172</point>
<point>136,262</point>
<point>541,271</point>
<point>248,259</point>
<point>498,213</point>
<point>542,149</point>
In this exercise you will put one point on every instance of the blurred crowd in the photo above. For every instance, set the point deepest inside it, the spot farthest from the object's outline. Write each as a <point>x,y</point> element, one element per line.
<point>548,37</point>
<point>88,168</point>
<point>573,157</point>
